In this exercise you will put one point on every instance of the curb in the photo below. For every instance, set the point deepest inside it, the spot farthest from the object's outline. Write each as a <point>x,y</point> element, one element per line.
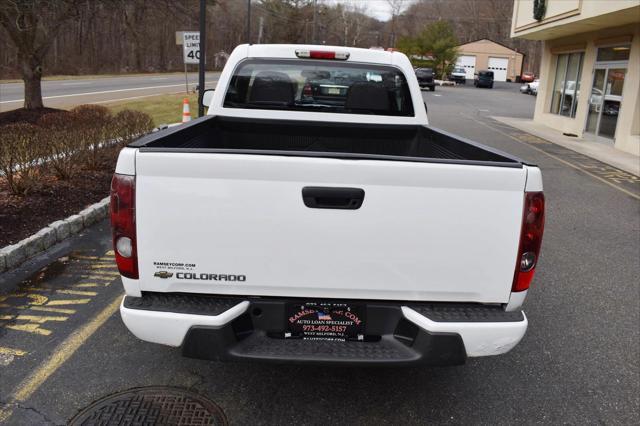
<point>14,255</point>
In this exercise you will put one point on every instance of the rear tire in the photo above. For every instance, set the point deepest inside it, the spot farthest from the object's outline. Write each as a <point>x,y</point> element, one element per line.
<point>432,88</point>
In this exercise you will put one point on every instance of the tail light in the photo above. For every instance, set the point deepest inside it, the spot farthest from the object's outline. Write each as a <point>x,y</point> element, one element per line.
<point>306,90</point>
<point>123,224</point>
<point>530,240</point>
<point>322,54</point>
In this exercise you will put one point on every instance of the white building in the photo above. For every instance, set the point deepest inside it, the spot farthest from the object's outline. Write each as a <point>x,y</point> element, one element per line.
<point>590,70</point>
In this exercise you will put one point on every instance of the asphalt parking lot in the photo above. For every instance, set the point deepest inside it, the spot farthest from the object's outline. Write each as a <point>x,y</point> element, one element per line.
<point>63,346</point>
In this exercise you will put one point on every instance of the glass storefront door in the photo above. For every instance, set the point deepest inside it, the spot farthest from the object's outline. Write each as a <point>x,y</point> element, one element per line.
<point>611,102</point>
<point>604,101</point>
<point>606,92</point>
<point>595,100</point>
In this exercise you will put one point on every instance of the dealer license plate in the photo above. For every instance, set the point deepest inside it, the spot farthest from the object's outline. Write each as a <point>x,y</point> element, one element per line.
<point>334,91</point>
<point>325,321</point>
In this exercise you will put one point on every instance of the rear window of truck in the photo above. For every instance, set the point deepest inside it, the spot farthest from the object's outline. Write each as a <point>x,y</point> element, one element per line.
<point>319,86</point>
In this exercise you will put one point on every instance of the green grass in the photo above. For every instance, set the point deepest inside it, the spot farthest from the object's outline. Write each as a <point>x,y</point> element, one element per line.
<point>164,109</point>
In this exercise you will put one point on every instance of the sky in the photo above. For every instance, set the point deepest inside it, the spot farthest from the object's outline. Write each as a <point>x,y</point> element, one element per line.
<point>378,9</point>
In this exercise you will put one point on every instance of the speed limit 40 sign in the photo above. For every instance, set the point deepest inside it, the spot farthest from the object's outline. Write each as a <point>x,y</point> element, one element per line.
<point>191,47</point>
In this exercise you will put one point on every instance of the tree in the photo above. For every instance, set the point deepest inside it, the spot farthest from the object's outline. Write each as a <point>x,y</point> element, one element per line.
<point>437,41</point>
<point>396,8</point>
<point>32,25</point>
<point>120,36</point>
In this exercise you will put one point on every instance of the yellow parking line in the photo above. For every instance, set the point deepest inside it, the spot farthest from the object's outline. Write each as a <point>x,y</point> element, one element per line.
<point>90,285</point>
<point>36,299</point>
<point>80,256</point>
<point>38,318</point>
<point>77,292</point>
<point>56,310</point>
<point>68,302</point>
<point>10,351</point>
<point>29,328</point>
<point>103,266</point>
<point>61,354</point>
<point>109,277</point>
<point>96,275</point>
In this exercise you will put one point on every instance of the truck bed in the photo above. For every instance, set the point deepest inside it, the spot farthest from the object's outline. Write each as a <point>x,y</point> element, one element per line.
<point>318,139</point>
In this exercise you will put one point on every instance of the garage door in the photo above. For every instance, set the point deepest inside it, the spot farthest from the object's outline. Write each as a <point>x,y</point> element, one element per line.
<point>468,63</point>
<point>499,67</point>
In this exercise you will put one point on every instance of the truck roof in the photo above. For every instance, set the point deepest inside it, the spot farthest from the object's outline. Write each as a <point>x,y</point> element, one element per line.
<point>356,54</point>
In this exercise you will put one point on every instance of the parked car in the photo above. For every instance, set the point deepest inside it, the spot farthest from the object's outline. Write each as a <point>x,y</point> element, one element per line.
<point>459,75</point>
<point>483,79</point>
<point>530,88</point>
<point>284,229</point>
<point>330,88</point>
<point>527,77</point>
<point>425,78</point>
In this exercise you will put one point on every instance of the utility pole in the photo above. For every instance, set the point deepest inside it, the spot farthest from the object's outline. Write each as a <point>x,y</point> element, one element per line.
<point>315,23</point>
<point>249,21</point>
<point>201,62</point>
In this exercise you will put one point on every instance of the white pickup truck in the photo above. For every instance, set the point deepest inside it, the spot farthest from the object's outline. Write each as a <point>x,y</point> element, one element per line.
<point>314,216</point>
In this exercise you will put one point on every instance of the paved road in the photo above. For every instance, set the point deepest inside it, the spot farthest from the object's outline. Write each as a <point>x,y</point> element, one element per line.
<point>578,363</point>
<point>65,93</point>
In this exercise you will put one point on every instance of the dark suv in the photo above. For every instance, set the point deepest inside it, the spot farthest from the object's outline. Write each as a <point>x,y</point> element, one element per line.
<point>425,78</point>
<point>483,79</point>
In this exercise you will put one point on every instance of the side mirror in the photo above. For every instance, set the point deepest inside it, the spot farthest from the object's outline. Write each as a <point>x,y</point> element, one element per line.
<point>207,97</point>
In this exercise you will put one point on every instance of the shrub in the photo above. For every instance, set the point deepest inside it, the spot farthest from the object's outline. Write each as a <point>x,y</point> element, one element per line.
<point>95,126</point>
<point>57,120</point>
<point>62,143</point>
<point>21,151</point>
<point>131,125</point>
<point>91,113</point>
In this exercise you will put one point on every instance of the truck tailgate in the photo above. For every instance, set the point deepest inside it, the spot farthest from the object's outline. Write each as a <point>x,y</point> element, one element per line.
<point>237,224</point>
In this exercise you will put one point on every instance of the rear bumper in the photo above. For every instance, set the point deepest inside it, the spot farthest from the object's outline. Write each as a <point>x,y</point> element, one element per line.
<point>223,328</point>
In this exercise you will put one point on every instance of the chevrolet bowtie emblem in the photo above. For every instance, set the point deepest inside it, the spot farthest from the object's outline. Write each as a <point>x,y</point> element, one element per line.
<point>163,274</point>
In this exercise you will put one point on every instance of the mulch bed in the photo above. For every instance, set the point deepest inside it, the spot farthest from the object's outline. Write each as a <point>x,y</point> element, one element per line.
<point>21,217</point>
<point>52,199</point>
<point>22,115</point>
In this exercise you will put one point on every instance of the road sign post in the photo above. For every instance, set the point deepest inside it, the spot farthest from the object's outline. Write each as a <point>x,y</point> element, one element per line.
<point>190,41</point>
<point>191,47</point>
<point>202,50</point>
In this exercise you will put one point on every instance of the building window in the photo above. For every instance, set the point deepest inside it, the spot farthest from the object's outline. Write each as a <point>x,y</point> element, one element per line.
<point>615,53</point>
<point>566,87</point>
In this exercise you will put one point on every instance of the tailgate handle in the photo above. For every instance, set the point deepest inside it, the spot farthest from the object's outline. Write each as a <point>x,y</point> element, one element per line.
<point>322,197</point>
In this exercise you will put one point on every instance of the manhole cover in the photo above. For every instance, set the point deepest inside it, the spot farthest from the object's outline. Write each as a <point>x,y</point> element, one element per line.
<point>151,406</point>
